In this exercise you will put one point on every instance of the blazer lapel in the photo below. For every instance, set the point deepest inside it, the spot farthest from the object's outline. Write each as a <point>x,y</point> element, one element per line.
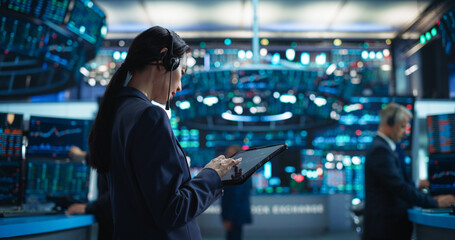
<point>181,149</point>
<point>398,161</point>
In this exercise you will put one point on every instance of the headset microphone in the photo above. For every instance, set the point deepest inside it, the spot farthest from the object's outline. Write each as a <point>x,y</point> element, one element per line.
<point>171,63</point>
<point>168,102</point>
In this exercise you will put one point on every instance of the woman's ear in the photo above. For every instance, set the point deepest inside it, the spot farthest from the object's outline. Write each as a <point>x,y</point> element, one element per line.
<point>163,53</point>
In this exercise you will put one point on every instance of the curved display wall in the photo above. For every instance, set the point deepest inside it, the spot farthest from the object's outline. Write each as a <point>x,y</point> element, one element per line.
<point>259,99</point>
<point>44,43</point>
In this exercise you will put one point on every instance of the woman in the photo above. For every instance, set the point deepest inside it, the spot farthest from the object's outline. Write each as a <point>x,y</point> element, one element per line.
<point>152,193</point>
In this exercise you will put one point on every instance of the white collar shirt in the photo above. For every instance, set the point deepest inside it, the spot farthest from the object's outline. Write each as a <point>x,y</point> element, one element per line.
<point>389,141</point>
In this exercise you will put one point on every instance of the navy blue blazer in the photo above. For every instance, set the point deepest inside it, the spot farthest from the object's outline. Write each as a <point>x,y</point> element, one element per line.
<point>235,203</point>
<point>151,190</point>
<point>388,194</point>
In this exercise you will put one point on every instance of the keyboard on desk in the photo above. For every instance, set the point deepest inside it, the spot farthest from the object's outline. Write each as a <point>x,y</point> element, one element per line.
<point>437,210</point>
<point>26,213</point>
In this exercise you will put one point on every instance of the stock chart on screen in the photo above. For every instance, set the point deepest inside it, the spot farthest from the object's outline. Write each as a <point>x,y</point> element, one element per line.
<point>441,131</point>
<point>53,137</point>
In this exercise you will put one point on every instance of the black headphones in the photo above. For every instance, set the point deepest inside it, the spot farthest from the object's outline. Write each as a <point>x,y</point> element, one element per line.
<point>391,120</point>
<point>170,61</point>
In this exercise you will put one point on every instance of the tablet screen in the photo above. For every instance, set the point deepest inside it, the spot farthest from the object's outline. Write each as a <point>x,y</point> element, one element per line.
<point>252,159</point>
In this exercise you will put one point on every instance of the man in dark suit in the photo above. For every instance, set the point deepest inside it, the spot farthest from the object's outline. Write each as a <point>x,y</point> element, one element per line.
<point>235,205</point>
<point>389,192</point>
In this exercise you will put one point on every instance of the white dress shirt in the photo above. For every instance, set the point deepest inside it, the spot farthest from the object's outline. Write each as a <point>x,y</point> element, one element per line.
<point>391,143</point>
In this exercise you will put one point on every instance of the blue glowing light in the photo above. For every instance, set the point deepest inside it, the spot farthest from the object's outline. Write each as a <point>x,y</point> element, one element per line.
<point>372,55</point>
<point>241,54</point>
<point>270,118</point>
<point>249,54</point>
<point>289,169</point>
<point>184,105</point>
<point>268,170</point>
<point>277,117</point>
<point>276,59</point>
<point>116,55</point>
<point>103,31</point>
<point>355,201</point>
<point>227,41</point>
<point>321,59</point>
<point>288,98</point>
<point>305,58</point>
<point>210,100</point>
<point>275,181</point>
<point>311,174</point>
<point>290,54</point>
<point>407,160</point>
<point>320,101</point>
<point>352,107</point>
<point>349,119</point>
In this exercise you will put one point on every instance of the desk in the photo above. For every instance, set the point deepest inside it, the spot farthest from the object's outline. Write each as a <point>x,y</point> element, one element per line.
<point>286,216</point>
<point>49,227</point>
<point>432,225</point>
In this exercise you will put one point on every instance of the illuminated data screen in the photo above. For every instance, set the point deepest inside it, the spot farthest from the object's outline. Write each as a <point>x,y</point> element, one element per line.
<point>51,10</point>
<point>344,172</point>
<point>55,11</point>
<point>22,6</point>
<point>441,131</point>
<point>57,179</point>
<point>10,177</point>
<point>441,173</point>
<point>86,20</point>
<point>358,125</point>
<point>53,137</point>
<point>11,136</point>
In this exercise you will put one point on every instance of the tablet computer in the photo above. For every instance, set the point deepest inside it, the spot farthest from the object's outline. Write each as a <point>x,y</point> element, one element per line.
<point>252,159</point>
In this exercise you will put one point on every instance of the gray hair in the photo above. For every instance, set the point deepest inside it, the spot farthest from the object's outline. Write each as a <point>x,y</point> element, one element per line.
<point>396,111</point>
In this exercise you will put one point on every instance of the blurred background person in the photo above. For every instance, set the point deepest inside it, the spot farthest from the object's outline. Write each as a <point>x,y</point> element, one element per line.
<point>101,207</point>
<point>389,192</point>
<point>235,204</point>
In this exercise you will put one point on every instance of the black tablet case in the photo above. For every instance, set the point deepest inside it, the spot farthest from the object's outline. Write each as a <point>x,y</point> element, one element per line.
<point>230,179</point>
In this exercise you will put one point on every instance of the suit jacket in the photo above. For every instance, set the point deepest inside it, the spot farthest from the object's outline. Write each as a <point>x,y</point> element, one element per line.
<point>102,210</point>
<point>388,194</point>
<point>235,203</point>
<point>152,193</point>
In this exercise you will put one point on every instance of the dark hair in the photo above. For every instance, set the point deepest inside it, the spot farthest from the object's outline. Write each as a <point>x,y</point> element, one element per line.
<point>144,50</point>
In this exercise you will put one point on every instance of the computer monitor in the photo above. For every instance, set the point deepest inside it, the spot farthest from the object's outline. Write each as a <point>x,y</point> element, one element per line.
<point>58,179</point>
<point>441,173</point>
<point>344,172</point>
<point>440,133</point>
<point>358,125</point>
<point>51,138</point>
<point>311,170</point>
<point>10,184</point>
<point>90,18</point>
<point>11,130</point>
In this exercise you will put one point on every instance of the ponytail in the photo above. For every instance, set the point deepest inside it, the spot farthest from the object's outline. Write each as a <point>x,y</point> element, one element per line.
<point>100,135</point>
<point>144,49</point>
